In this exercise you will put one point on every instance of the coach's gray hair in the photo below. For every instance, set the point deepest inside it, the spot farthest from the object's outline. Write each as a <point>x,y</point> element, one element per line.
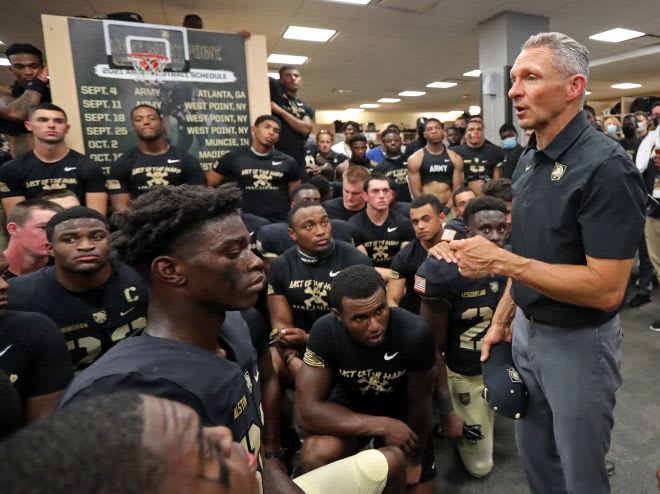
<point>570,57</point>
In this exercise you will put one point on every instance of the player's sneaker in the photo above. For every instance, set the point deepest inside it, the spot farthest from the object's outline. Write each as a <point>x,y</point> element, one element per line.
<point>655,326</point>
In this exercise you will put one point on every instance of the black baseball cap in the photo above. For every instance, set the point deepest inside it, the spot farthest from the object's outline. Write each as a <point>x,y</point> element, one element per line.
<point>421,121</point>
<point>504,389</point>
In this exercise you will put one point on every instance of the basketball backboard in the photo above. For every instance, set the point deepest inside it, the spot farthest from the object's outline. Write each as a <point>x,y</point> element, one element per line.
<point>125,38</point>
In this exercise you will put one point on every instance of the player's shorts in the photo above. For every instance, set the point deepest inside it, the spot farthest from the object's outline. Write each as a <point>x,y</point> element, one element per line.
<point>363,473</point>
<point>468,404</point>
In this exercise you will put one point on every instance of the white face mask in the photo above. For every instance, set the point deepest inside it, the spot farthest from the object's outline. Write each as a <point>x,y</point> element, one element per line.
<point>641,126</point>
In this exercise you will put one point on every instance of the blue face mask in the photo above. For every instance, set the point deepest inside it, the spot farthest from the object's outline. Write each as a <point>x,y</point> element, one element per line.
<point>509,143</point>
<point>611,129</point>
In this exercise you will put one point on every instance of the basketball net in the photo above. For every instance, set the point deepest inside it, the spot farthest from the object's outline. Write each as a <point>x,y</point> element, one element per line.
<point>149,67</point>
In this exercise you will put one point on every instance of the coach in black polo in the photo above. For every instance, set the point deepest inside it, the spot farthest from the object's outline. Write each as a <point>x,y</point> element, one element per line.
<point>578,204</point>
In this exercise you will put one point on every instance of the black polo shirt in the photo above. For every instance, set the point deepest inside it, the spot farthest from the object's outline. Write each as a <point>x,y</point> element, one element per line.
<point>580,196</point>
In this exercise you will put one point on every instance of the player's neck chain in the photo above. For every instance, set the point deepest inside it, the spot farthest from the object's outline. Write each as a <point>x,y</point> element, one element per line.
<point>319,259</point>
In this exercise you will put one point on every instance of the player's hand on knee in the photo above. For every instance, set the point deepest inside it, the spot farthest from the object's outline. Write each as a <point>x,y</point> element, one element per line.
<point>452,426</point>
<point>495,334</point>
<point>399,434</point>
<point>441,251</point>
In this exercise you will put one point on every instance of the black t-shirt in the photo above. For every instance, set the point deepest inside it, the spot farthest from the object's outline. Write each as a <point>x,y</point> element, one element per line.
<point>384,241</point>
<point>274,239</point>
<point>336,210</point>
<point>372,380</point>
<point>396,170</point>
<point>264,180</point>
<point>91,321</point>
<point>306,286</point>
<point>472,305</point>
<point>28,176</point>
<point>580,196</point>
<point>137,172</point>
<point>290,141</point>
<point>33,354</point>
<point>479,163</point>
<point>405,265</point>
<point>437,167</point>
<point>223,391</point>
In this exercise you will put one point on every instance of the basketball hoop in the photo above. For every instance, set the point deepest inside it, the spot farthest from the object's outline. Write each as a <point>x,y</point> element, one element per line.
<point>149,67</point>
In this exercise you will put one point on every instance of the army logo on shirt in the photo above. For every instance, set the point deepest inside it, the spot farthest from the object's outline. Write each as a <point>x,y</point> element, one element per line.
<point>317,293</point>
<point>100,317</point>
<point>557,172</point>
<point>381,252</point>
<point>494,286</point>
<point>157,176</point>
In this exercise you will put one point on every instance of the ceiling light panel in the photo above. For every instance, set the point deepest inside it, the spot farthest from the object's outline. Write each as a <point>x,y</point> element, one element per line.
<point>412,93</point>
<point>616,35</point>
<point>309,34</point>
<point>286,59</point>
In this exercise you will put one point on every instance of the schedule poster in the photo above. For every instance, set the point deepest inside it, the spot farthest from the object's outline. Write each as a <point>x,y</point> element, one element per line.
<point>203,98</point>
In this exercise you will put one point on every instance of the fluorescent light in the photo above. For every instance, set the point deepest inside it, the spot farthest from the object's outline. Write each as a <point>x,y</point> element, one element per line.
<point>474,110</point>
<point>389,100</point>
<point>456,112</point>
<point>369,105</point>
<point>308,34</point>
<point>2,43</point>
<point>412,93</point>
<point>625,85</point>
<point>4,61</point>
<point>442,85</point>
<point>286,59</point>
<point>616,35</point>
<point>274,75</point>
<point>472,73</point>
<point>587,93</point>
<point>354,110</point>
<point>354,2</point>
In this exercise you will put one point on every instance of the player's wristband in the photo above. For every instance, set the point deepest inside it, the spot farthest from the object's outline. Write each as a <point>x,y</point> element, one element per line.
<point>36,85</point>
<point>445,406</point>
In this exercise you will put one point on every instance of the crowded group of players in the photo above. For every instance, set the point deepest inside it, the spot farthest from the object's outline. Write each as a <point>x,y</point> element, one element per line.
<point>297,298</point>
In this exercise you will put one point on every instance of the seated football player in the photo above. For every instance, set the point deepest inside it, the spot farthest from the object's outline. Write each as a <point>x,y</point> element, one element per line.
<point>378,231</point>
<point>274,239</point>
<point>33,354</point>
<point>368,372</point>
<point>95,300</point>
<point>426,215</point>
<point>352,200</point>
<point>454,229</point>
<point>27,250</point>
<point>459,310</point>
<point>299,280</point>
<point>193,247</point>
